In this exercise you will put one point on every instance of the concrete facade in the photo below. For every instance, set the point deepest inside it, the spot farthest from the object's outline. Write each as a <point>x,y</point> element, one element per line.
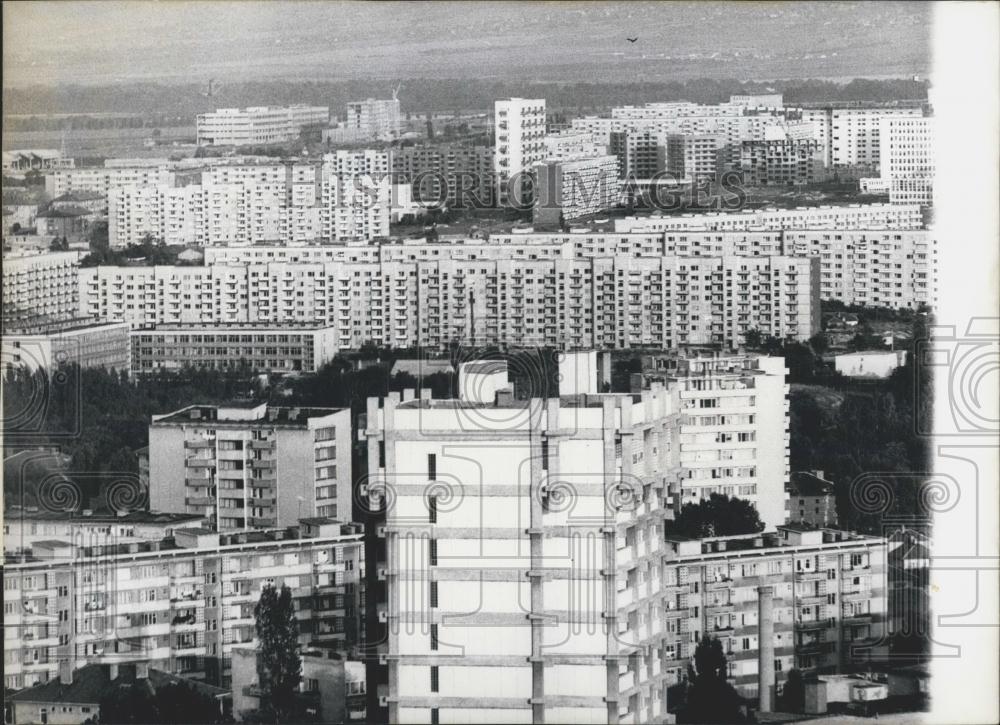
<point>181,604</point>
<point>83,342</point>
<point>257,124</point>
<point>252,467</point>
<point>254,346</point>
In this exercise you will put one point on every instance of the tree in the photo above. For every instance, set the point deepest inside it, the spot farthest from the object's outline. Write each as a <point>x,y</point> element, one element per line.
<point>793,694</point>
<point>710,697</point>
<point>753,339</point>
<point>718,515</point>
<point>279,665</point>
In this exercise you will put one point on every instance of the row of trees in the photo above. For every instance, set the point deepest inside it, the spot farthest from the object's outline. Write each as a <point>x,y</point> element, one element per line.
<point>439,94</point>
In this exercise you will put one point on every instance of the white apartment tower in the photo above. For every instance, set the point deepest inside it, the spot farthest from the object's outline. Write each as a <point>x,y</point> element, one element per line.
<point>733,431</point>
<point>907,159</point>
<point>375,119</point>
<point>519,124</point>
<point>557,507</point>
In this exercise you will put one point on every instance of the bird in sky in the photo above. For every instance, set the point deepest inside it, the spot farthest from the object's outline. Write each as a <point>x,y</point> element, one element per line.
<point>632,40</point>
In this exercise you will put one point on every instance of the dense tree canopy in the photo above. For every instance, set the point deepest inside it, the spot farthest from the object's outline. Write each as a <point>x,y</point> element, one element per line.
<point>717,515</point>
<point>710,698</point>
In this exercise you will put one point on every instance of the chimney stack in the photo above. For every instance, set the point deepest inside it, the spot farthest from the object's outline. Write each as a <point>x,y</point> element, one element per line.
<point>765,649</point>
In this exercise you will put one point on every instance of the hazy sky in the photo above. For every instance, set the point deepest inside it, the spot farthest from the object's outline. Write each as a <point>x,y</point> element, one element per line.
<point>175,41</point>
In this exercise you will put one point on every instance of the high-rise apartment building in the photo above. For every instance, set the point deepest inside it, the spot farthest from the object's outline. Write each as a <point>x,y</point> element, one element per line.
<point>853,216</point>
<point>344,197</point>
<point>561,505</point>
<point>180,604</point>
<point>732,434</point>
<point>572,144</point>
<point>823,593</point>
<point>257,124</point>
<point>693,157</point>
<point>851,137</point>
<point>535,294</point>
<point>48,281</point>
<point>907,159</point>
<point>453,174</point>
<point>641,154</point>
<point>374,119</point>
<point>519,125</point>
<point>102,180</point>
<point>573,187</point>
<point>786,162</point>
<point>253,465</point>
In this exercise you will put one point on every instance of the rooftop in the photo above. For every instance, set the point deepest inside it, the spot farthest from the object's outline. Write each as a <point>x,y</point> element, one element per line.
<point>235,326</point>
<point>186,539</point>
<point>92,682</point>
<point>241,413</point>
<point>66,212</point>
<point>36,326</point>
<point>808,483</point>
<point>85,516</point>
<point>79,195</point>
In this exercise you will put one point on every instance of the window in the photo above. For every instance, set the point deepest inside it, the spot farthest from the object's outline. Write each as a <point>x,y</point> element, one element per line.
<point>435,717</point>
<point>545,454</point>
<point>434,637</point>
<point>432,509</point>
<point>431,466</point>
<point>381,454</point>
<point>433,546</point>
<point>434,594</point>
<point>434,678</point>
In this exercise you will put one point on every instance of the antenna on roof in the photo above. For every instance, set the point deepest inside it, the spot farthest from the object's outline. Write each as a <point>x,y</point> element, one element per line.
<point>395,91</point>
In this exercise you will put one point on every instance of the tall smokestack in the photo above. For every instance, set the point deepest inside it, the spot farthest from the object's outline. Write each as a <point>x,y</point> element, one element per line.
<point>765,650</point>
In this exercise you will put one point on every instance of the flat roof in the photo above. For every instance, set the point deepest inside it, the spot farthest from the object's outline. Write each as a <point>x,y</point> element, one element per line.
<point>235,326</point>
<point>295,417</point>
<point>133,517</point>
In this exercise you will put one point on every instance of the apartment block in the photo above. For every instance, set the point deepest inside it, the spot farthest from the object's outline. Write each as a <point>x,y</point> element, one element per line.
<point>344,197</point>
<point>732,435</point>
<point>570,188</point>
<point>560,505</point>
<point>180,604</point>
<point>784,162</point>
<point>852,216</point>
<point>452,174</point>
<point>250,466</point>
<point>519,125</point>
<point>852,136</point>
<point>641,154</point>
<point>257,124</point>
<point>811,500</point>
<point>907,159</point>
<point>48,281</point>
<point>103,179</point>
<point>258,347</point>
<point>693,157</point>
<point>572,144</point>
<point>537,497</point>
<point>375,119</point>
<point>542,294</point>
<point>820,592</point>
<point>84,342</point>
<point>885,268</point>
<point>24,527</point>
